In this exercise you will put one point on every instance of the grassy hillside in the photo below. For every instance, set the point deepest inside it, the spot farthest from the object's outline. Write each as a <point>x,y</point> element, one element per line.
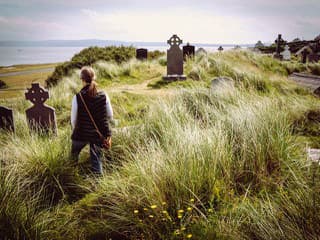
<point>18,77</point>
<point>187,162</point>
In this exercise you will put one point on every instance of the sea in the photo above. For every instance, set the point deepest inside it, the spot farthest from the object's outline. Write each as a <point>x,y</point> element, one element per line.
<point>38,55</point>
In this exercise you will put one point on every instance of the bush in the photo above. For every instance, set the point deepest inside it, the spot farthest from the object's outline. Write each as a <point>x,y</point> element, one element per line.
<point>88,57</point>
<point>155,54</point>
<point>3,84</point>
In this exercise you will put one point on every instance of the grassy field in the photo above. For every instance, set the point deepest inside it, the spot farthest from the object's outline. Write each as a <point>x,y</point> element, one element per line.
<point>187,162</point>
<point>21,76</point>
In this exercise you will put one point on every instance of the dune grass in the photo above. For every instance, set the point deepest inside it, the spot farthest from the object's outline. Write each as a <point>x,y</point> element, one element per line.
<point>222,163</point>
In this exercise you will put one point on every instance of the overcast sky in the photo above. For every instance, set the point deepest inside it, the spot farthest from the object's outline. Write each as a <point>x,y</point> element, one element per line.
<point>201,21</point>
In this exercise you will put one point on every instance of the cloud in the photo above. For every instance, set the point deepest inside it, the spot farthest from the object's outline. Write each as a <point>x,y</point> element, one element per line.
<point>193,26</point>
<point>25,28</point>
<point>212,21</point>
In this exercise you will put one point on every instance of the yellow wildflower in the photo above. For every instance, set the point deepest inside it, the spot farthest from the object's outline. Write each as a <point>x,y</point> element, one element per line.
<point>179,216</point>
<point>189,236</point>
<point>150,216</point>
<point>181,211</point>
<point>183,228</point>
<point>145,209</point>
<point>192,200</point>
<point>189,209</point>
<point>164,203</point>
<point>136,211</point>
<point>153,207</point>
<point>210,210</point>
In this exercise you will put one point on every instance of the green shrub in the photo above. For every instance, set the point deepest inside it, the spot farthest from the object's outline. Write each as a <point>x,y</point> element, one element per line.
<point>155,54</point>
<point>89,56</point>
<point>3,84</point>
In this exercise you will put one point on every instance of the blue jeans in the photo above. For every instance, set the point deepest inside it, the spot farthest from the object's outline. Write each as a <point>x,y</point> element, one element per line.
<point>96,154</point>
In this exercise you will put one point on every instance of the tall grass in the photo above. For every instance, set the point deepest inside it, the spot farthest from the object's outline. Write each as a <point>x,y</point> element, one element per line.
<point>221,163</point>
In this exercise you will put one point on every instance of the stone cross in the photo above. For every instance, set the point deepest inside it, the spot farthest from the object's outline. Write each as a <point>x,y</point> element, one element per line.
<point>279,41</point>
<point>188,51</point>
<point>286,54</point>
<point>174,60</point>
<point>220,49</point>
<point>304,55</point>
<point>6,119</point>
<point>40,117</point>
<point>142,54</point>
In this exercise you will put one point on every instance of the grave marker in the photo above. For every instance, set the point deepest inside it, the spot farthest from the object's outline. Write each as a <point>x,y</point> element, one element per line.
<point>304,55</point>
<point>142,54</point>
<point>313,58</point>
<point>279,41</point>
<point>40,116</point>
<point>174,60</point>
<point>188,51</point>
<point>201,51</point>
<point>6,119</point>
<point>286,54</point>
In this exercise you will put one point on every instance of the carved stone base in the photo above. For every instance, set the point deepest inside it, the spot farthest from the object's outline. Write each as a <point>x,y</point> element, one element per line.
<point>174,77</point>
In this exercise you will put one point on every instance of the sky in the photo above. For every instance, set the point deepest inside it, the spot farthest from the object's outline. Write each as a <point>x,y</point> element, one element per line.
<point>201,21</point>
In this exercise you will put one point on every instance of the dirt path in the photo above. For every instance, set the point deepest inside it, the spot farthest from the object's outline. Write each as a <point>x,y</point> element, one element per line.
<point>41,70</point>
<point>141,88</point>
<point>307,80</point>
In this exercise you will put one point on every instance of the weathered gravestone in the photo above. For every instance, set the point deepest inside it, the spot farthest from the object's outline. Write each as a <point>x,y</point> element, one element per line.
<point>142,53</point>
<point>313,58</point>
<point>286,54</point>
<point>201,51</point>
<point>6,119</point>
<point>188,51</point>
<point>174,60</point>
<point>221,82</point>
<point>279,41</point>
<point>220,49</point>
<point>40,117</point>
<point>304,55</point>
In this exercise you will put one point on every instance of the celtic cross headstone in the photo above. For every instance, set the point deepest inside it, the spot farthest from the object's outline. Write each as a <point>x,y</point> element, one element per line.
<point>279,41</point>
<point>40,117</point>
<point>6,119</point>
<point>174,60</point>
<point>220,49</point>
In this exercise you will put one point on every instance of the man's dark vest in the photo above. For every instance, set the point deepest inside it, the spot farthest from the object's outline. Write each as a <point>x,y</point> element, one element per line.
<point>84,129</point>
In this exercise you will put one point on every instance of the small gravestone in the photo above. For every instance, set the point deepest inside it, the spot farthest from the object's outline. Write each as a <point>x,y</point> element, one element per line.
<point>201,51</point>
<point>286,54</point>
<point>279,41</point>
<point>220,49</point>
<point>174,60</point>
<point>142,54</point>
<point>40,117</point>
<point>188,51</point>
<point>313,58</point>
<point>304,55</point>
<point>219,82</point>
<point>6,119</point>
